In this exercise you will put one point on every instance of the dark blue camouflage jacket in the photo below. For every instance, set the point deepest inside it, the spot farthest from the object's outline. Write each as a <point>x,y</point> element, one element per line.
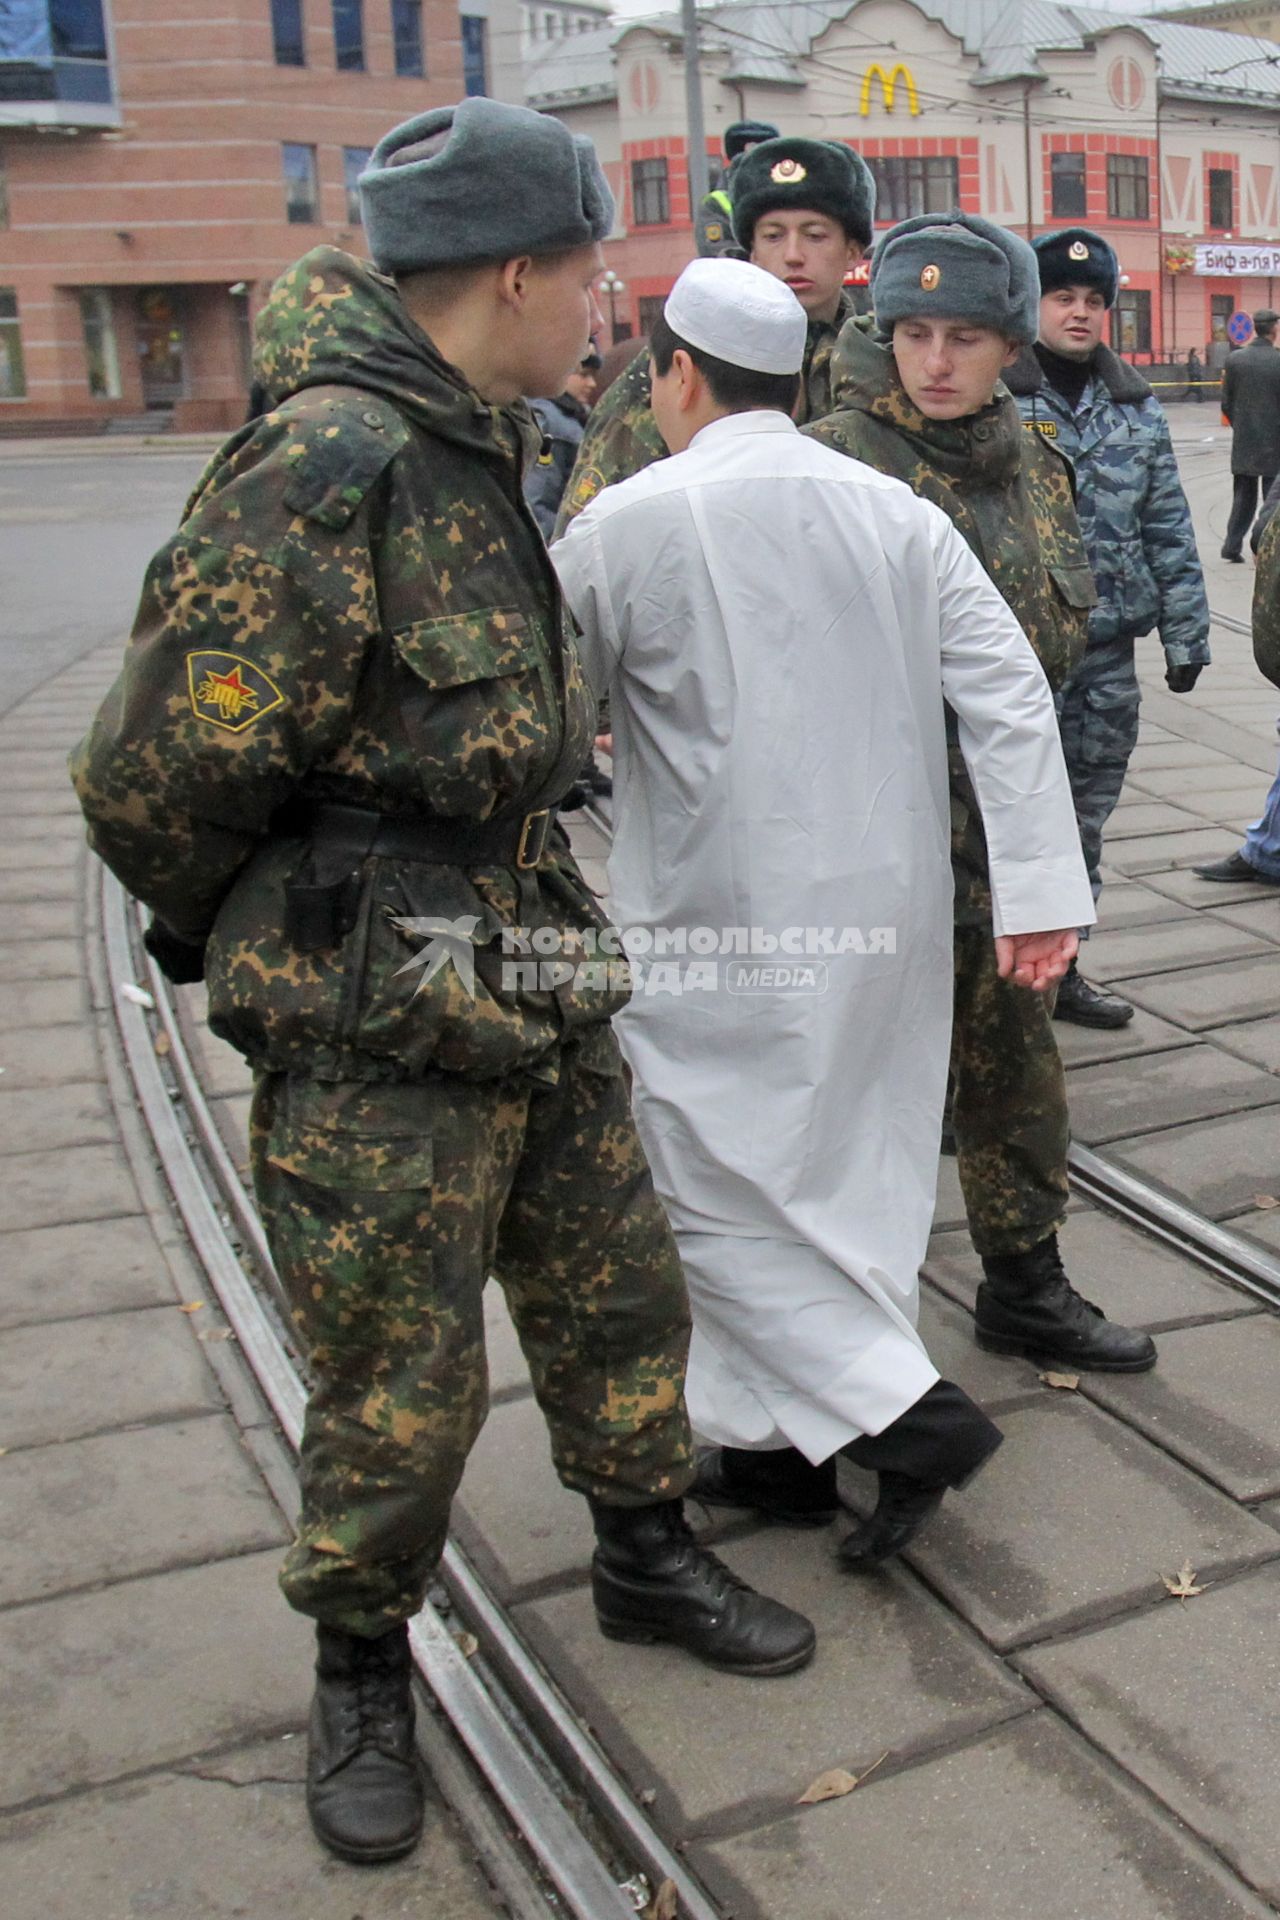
<point>1133,512</point>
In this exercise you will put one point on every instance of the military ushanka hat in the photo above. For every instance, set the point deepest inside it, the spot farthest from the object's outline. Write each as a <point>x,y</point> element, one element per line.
<point>1077,257</point>
<point>740,134</point>
<point>823,176</point>
<point>956,266</point>
<point>481,181</point>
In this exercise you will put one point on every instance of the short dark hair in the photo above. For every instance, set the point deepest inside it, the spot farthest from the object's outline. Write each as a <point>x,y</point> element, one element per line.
<point>736,388</point>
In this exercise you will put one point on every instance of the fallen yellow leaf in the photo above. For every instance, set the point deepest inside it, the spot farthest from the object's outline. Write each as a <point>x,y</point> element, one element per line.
<point>1183,1585</point>
<point>1068,1382</point>
<point>665,1904</point>
<point>191,1306</point>
<point>467,1644</point>
<point>835,1783</point>
<point>1265,1200</point>
<point>162,1044</point>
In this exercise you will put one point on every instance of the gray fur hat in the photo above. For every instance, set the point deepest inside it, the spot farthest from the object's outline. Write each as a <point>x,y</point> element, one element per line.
<point>484,181</point>
<point>825,176</point>
<point>956,266</point>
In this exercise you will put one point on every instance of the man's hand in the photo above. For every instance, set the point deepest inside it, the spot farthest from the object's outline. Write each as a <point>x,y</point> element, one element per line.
<point>604,744</point>
<point>1036,960</point>
<point>1182,679</point>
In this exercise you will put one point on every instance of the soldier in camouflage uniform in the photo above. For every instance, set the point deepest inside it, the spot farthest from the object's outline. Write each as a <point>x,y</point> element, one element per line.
<point>330,767</point>
<point>803,210</point>
<point>1137,528</point>
<point>955,297</point>
<point>713,229</point>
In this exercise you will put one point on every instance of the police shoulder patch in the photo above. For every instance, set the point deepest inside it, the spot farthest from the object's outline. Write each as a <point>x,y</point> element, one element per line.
<point>588,484</point>
<point>229,691</point>
<point>714,231</point>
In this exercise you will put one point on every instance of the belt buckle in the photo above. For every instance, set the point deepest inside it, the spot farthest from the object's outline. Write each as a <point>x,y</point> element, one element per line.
<point>533,838</point>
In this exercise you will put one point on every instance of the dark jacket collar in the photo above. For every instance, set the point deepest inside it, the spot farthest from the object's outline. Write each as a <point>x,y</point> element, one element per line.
<point>1123,382</point>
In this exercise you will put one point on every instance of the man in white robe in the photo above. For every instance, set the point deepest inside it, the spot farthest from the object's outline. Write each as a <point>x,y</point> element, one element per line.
<point>777,627</point>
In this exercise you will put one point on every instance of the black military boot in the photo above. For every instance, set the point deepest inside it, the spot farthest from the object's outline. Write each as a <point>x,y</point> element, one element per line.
<point>1086,1006</point>
<point>781,1486</point>
<point>1026,1305</point>
<point>652,1581</point>
<point>364,1790</point>
<point>941,1441</point>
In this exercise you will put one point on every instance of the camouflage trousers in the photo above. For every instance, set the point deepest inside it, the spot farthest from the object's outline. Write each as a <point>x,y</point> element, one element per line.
<point>1008,1106</point>
<point>386,1208</point>
<point>1098,720</point>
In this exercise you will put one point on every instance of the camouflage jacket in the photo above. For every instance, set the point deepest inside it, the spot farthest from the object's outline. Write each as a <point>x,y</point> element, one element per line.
<point>1010,496</point>
<point>622,435</point>
<point>1133,512</point>
<point>357,607</point>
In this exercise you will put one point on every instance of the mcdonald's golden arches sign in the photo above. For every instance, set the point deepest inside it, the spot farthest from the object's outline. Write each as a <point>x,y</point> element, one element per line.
<point>888,87</point>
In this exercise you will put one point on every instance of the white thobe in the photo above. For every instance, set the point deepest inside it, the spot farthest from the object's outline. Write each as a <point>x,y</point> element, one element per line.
<point>777,626</point>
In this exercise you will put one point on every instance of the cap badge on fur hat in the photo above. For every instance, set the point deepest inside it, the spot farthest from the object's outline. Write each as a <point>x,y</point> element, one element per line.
<point>788,172</point>
<point>1077,250</point>
<point>929,278</point>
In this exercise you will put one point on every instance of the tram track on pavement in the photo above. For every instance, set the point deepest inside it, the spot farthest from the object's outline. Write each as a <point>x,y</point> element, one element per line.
<point>1228,1256</point>
<point>554,1824</point>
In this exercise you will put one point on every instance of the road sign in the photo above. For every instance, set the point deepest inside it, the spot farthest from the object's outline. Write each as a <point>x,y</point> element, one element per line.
<point>1239,327</point>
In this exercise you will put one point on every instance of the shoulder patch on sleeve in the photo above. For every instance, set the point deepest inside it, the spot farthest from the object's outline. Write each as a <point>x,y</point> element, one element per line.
<point>588,484</point>
<point>336,451</point>
<point>229,691</point>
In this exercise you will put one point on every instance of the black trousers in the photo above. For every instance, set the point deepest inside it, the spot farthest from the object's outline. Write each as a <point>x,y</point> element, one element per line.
<point>1244,504</point>
<point>941,1441</point>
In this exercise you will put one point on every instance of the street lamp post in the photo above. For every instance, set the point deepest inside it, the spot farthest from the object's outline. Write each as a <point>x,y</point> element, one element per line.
<point>611,286</point>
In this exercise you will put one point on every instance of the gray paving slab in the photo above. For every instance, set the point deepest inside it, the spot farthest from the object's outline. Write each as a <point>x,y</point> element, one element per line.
<point>1157,852</point>
<point>1161,756</point>
<point>124,1504</point>
<point>39,960</point>
<point>511,1513</point>
<point>231,1113</point>
<point>99,1266</point>
<point>1256,916</point>
<point>42,919</point>
<point>45,801</point>
<point>1211,1401</point>
<point>1192,891</point>
<point>1024,1822</point>
<point>1071,1521</point>
<point>1181,783</point>
<point>68,1378</point>
<point>1184,1697</point>
<point>1141,1035</point>
<point>1216,1167</point>
<point>42,1003</point>
<point>989,1378</point>
<point>1254,1040</point>
<point>144,1673</point>
<point>1227,803</point>
<point>48,1057</point>
<point>222,1839</point>
<point>1262,1225</point>
<point>21,852</point>
<point>949,1208</point>
<point>1127,903</point>
<point>1116,1099</point>
<point>1134,1279</point>
<point>1136,816</point>
<point>1164,946</point>
<point>66,1184</point>
<point>893,1670</point>
<point>37,1118</point>
<point>35,884</point>
<point>1203,997</point>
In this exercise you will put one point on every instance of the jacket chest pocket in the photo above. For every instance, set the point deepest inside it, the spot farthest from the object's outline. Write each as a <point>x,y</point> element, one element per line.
<point>478,706</point>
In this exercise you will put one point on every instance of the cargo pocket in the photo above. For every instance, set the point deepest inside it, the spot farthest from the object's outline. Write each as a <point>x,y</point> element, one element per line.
<point>1076,585</point>
<point>1109,726</point>
<point>352,1138</point>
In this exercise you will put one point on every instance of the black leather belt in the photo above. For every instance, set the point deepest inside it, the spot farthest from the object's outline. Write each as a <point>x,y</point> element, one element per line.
<point>365,833</point>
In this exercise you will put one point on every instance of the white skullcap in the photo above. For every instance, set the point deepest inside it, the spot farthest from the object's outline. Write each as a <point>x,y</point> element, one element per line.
<point>738,313</point>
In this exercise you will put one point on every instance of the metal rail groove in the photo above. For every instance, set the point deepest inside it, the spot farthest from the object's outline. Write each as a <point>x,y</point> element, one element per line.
<point>583,1881</point>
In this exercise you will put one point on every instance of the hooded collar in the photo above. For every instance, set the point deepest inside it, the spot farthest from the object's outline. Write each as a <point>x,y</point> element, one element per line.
<point>333,321</point>
<point>1124,383</point>
<point>983,449</point>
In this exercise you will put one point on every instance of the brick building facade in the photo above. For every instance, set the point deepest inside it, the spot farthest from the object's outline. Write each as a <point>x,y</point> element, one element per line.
<point>161,162</point>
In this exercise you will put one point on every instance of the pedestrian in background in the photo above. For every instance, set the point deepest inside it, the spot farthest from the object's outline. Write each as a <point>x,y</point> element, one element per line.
<point>1251,403</point>
<point>714,233</point>
<point>1137,528</point>
<point>350,705</point>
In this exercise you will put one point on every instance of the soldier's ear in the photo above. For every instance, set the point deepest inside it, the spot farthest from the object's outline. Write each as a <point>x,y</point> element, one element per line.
<point>513,279</point>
